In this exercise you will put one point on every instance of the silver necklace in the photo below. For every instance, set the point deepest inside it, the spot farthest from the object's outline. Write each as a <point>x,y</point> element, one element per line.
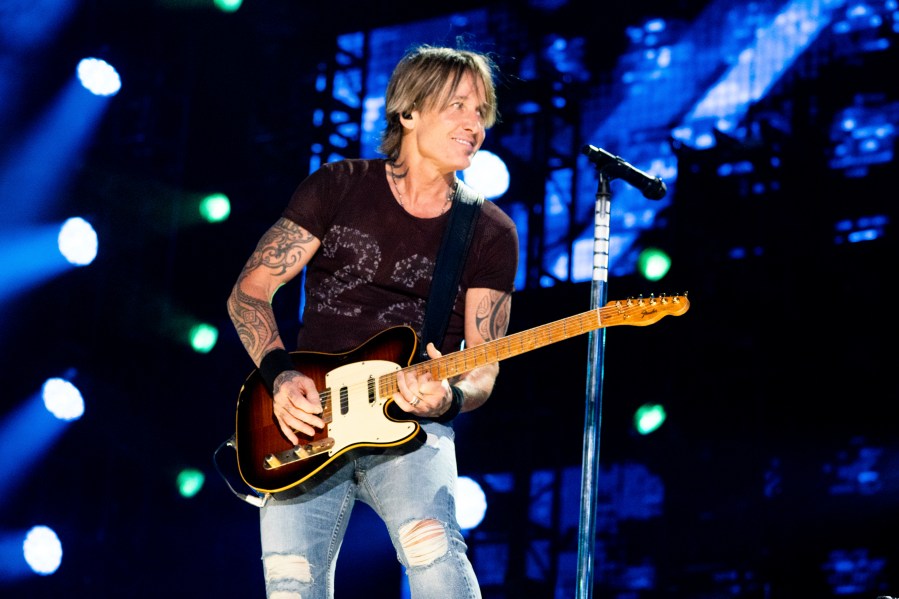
<point>449,192</point>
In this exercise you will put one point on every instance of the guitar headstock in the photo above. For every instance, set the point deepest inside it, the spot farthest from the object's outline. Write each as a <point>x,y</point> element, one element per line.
<point>642,311</point>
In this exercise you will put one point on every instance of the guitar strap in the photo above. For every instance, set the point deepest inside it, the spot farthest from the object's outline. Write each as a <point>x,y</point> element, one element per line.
<point>448,270</point>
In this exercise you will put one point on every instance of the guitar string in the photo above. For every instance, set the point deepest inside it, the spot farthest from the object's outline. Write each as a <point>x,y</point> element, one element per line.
<point>503,343</point>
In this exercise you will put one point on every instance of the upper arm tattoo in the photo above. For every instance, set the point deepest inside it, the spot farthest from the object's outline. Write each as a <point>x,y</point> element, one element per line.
<point>492,315</point>
<point>280,251</point>
<point>283,246</point>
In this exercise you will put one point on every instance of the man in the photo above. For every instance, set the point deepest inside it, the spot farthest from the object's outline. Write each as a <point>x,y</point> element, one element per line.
<point>368,234</point>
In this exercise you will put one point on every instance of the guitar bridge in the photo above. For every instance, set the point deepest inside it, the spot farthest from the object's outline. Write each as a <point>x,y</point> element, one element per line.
<point>297,453</point>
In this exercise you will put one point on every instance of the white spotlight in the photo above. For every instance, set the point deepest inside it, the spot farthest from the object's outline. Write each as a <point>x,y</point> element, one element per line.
<point>43,550</point>
<point>78,241</point>
<point>487,174</point>
<point>62,399</point>
<point>99,77</point>
<point>471,503</point>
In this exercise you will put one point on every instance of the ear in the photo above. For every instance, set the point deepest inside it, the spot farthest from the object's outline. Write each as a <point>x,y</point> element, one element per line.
<point>407,120</point>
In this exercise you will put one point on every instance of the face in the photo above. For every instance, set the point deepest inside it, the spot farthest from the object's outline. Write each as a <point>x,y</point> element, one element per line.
<point>450,134</point>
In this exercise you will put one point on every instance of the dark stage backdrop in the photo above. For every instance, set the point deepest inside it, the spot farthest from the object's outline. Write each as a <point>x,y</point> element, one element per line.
<point>776,473</point>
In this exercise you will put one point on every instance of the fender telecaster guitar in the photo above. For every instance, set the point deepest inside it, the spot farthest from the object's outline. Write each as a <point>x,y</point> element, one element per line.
<point>356,390</point>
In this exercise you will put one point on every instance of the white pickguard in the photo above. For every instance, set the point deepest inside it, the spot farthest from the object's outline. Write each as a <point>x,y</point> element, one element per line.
<point>364,422</point>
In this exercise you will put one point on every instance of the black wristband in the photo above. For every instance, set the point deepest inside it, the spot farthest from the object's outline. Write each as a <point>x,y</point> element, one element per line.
<point>274,363</point>
<point>455,406</point>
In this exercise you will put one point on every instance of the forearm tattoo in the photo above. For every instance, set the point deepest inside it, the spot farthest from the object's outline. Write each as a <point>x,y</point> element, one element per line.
<point>254,321</point>
<point>493,315</point>
<point>281,248</point>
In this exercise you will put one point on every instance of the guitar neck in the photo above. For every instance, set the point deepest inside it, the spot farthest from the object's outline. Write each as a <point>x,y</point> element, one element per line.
<point>638,312</point>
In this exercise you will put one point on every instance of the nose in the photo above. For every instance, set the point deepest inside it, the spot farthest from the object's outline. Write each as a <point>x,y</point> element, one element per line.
<point>474,121</point>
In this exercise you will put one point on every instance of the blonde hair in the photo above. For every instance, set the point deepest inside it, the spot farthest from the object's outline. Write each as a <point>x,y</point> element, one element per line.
<point>419,81</point>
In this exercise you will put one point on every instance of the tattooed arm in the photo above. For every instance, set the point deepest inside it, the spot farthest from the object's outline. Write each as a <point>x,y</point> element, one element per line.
<point>487,313</point>
<point>486,318</point>
<point>280,256</point>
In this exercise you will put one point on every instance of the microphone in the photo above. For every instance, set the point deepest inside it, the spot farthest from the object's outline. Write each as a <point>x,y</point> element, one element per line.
<point>652,188</point>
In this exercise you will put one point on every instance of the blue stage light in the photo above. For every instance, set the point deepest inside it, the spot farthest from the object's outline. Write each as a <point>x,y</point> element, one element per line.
<point>78,241</point>
<point>43,550</point>
<point>99,77</point>
<point>62,399</point>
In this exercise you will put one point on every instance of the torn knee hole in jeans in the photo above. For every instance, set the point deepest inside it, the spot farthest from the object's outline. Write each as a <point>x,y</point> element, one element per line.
<point>423,541</point>
<point>280,567</point>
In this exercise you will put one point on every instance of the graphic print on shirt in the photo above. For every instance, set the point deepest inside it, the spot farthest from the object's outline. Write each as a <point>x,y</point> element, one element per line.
<point>362,262</point>
<point>408,273</point>
<point>362,257</point>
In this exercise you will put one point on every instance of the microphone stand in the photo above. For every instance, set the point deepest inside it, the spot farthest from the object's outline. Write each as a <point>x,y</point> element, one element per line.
<point>593,413</point>
<point>608,166</point>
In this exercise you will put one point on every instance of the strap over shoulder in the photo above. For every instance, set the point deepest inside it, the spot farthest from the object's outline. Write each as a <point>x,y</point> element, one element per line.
<point>448,270</point>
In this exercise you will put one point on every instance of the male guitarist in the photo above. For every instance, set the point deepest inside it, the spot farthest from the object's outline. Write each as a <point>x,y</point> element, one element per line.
<point>368,234</point>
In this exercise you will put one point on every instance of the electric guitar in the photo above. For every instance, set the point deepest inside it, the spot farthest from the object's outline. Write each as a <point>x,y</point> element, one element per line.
<point>357,387</point>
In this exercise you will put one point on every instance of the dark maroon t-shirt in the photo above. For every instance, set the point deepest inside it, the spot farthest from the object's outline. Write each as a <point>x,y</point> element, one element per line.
<point>373,270</point>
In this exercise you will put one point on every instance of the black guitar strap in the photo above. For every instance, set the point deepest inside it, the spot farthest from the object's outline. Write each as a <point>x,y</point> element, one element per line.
<point>448,270</point>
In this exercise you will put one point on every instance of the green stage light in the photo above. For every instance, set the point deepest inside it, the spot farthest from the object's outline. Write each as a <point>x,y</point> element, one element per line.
<point>215,207</point>
<point>653,264</point>
<point>648,418</point>
<point>228,5</point>
<point>190,482</point>
<point>222,5</point>
<point>203,337</point>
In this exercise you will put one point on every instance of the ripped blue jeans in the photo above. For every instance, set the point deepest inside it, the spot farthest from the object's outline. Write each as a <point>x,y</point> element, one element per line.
<point>413,494</point>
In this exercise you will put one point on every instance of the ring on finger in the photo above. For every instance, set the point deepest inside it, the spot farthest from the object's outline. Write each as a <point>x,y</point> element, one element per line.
<point>414,402</point>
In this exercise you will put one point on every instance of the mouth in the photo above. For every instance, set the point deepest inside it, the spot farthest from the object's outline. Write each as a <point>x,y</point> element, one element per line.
<point>466,142</point>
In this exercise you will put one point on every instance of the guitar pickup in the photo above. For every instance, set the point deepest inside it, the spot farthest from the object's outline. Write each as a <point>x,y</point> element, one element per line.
<point>297,453</point>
